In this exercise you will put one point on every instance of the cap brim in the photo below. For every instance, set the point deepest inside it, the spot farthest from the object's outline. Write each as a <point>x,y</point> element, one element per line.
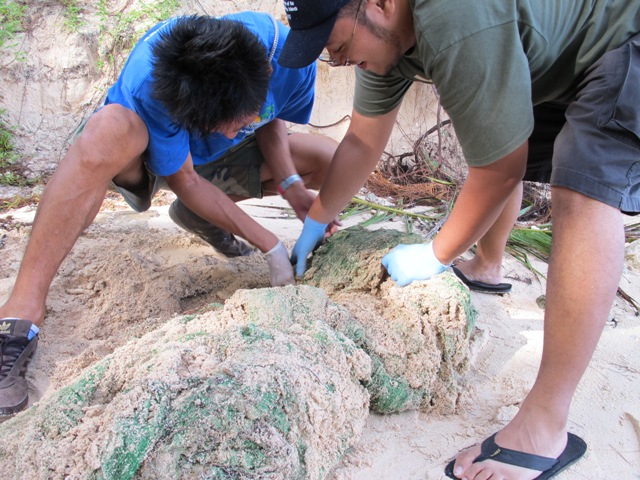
<point>303,47</point>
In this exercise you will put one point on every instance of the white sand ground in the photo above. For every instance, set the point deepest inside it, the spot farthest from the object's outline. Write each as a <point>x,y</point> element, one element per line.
<point>130,272</point>
<point>92,309</point>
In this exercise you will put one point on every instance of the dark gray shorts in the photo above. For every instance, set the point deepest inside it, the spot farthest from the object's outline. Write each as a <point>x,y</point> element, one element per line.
<point>592,145</point>
<point>237,172</point>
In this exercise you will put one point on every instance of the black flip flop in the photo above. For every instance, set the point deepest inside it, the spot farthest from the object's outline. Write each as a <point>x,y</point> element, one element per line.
<point>496,288</point>
<point>549,467</point>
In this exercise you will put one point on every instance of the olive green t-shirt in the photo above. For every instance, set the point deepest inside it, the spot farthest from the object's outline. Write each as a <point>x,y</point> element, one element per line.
<point>492,60</point>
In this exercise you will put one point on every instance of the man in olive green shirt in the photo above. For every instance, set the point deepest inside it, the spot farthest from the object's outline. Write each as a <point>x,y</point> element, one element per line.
<point>540,90</point>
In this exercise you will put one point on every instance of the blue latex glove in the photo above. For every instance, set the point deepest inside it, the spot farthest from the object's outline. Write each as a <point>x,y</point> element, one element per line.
<point>407,263</point>
<point>311,237</point>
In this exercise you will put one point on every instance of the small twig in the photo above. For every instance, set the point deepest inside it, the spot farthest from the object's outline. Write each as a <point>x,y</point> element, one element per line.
<point>629,299</point>
<point>439,115</point>
<point>331,124</point>
<point>437,127</point>
<point>432,233</point>
<point>204,10</point>
<point>634,422</point>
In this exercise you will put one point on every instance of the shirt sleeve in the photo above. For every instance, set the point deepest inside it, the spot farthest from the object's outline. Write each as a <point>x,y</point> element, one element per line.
<point>168,142</point>
<point>484,84</point>
<point>378,94</point>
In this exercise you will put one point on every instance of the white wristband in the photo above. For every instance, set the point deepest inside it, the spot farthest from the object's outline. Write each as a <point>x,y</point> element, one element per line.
<point>287,182</point>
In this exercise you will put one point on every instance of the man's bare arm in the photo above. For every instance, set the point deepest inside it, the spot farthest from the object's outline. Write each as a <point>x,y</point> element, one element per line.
<point>356,157</point>
<point>481,200</point>
<point>210,203</point>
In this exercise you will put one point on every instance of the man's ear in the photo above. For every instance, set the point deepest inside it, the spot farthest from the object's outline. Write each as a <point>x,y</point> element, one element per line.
<point>381,8</point>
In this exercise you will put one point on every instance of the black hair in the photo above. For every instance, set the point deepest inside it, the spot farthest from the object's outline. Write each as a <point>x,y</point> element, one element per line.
<point>350,9</point>
<point>209,72</point>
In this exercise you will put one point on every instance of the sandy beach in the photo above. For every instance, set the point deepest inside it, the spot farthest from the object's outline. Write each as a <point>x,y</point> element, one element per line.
<point>130,272</point>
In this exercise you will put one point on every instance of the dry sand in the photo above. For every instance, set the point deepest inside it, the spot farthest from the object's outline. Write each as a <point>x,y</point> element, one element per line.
<point>131,272</point>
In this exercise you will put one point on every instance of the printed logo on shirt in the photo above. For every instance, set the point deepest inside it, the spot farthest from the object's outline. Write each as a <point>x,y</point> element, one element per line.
<point>267,114</point>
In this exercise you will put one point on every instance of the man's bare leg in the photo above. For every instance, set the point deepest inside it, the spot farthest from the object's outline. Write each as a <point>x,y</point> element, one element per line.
<point>584,273</point>
<point>311,155</point>
<point>486,264</point>
<point>110,146</point>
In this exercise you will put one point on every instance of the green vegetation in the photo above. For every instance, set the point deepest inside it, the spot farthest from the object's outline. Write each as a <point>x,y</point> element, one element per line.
<point>123,28</point>
<point>17,201</point>
<point>7,153</point>
<point>11,16</point>
<point>11,174</point>
<point>120,31</point>
<point>532,241</point>
<point>72,14</point>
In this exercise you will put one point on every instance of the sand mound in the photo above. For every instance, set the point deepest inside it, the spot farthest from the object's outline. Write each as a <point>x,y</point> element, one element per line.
<point>263,388</point>
<point>417,336</point>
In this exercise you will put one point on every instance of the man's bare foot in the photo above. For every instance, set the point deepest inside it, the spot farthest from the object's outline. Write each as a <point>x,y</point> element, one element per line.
<point>479,271</point>
<point>514,438</point>
<point>482,286</point>
<point>31,312</point>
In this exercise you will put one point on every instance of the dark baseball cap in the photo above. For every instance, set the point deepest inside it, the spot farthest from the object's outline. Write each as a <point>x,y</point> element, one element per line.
<point>311,22</point>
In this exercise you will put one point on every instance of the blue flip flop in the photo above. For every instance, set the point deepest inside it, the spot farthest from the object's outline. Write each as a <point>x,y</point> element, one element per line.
<point>549,467</point>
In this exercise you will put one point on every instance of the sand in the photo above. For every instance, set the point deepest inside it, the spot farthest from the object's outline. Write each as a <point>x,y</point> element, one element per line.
<point>129,273</point>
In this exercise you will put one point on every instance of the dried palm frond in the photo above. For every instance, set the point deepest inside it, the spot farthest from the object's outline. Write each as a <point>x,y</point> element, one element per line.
<point>429,191</point>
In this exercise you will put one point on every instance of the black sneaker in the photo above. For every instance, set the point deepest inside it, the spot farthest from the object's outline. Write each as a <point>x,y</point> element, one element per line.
<point>15,351</point>
<point>224,242</point>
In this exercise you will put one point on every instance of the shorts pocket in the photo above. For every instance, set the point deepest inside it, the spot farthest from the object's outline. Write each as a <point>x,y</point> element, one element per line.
<point>624,123</point>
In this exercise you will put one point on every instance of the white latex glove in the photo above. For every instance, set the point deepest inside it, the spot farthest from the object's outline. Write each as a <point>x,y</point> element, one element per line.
<point>280,269</point>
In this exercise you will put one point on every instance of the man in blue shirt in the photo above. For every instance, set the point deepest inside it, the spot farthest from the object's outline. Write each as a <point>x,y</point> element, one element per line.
<point>200,107</point>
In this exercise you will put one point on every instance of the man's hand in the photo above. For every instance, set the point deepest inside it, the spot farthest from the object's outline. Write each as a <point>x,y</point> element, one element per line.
<point>407,263</point>
<point>301,198</point>
<point>280,270</point>
<point>311,237</point>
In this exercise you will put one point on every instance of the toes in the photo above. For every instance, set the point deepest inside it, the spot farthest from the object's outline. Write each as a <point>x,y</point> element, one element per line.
<point>482,474</point>
<point>464,461</point>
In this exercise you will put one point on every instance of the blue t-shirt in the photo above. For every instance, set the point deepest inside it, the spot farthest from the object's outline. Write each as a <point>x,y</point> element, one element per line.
<point>290,98</point>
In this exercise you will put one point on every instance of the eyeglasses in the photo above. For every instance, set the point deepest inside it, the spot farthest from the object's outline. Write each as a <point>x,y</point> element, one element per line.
<point>326,56</point>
